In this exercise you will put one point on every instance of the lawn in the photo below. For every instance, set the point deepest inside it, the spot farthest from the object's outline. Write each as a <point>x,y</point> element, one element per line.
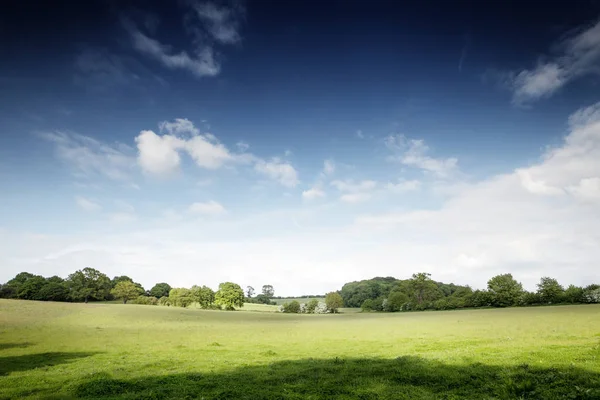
<point>114,351</point>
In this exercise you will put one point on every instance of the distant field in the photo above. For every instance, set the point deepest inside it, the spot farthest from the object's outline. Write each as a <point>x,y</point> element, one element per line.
<point>113,351</point>
<point>298,299</point>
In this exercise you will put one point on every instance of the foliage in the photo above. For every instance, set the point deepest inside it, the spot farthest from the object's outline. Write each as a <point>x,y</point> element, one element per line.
<point>423,288</point>
<point>230,295</point>
<point>146,300</point>
<point>204,296</point>
<point>574,294</point>
<point>87,284</point>
<point>550,291</point>
<point>505,291</point>
<point>160,290</point>
<point>181,297</point>
<point>334,301</point>
<point>395,301</point>
<point>164,301</point>
<point>311,306</point>
<point>54,291</point>
<point>268,291</point>
<point>261,299</point>
<point>592,296</point>
<point>293,307</point>
<point>249,291</point>
<point>126,290</point>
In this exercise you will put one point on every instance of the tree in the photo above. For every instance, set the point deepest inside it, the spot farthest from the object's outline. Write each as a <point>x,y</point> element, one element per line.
<point>124,278</point>
<point>249,291</point>
<point>160,290</point>
<point>334,301</point>
<point>311,306</point>
<point>87,284</point>
<point>230,295</point>
<point>126,290</point>
<point>204,296</point>
<point>395,301</point>
<point>261,299</point>
<point>11,288</point>
<point>268,291</point>
<point>30,289</point>
<point>423,288</point>
<point>550,291</point>
<point>574,294</point>
<point>292,307</point>
<point>181,297</point>
<point>55,289</point>
<point>505,290</point>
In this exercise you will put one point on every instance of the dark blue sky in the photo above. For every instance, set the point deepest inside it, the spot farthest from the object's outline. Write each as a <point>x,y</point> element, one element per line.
<point>131,112</point>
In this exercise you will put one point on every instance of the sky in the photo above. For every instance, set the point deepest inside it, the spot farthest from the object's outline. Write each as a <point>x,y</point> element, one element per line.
<point>298,144</point>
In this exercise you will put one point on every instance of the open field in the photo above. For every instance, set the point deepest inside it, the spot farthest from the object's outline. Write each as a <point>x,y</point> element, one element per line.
<point>62,350</point>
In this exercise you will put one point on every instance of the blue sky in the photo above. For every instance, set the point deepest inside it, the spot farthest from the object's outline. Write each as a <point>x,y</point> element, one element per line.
<point>298,145</point>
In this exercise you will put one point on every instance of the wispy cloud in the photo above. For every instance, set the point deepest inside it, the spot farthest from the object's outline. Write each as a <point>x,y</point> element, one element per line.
<point>313,193</point>
<point>209,25</point>
<point>91,158</point>
<point>87,204</point>
<point>414,153</point>
<point>576,55</point>
<point>278,170</point>
<point>403,186</point>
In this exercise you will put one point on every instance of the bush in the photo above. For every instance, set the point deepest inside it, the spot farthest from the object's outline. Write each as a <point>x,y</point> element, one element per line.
<point>367,305</point>
<point>311,306</point>
<point>592,296</point>
<point>147,300</point>
<point>321,308</point>
<point>164,301</point>
<point>292,307</point>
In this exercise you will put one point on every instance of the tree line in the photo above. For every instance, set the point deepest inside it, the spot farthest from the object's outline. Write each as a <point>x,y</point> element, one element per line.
<point>420,292</point>
<point>90,284</point>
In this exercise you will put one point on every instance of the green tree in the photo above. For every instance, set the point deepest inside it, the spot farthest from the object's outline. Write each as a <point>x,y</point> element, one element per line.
<point>395,301</point>
<point>160,290</point>
<point>262,299</point>
<point>268,291</point>
<point>55,289</point>
<point>423,287</point>
<point>505,291</point>
<point>204,296</point>
<point>293,307</point>
<point>30,288</point>
<point>311,306</point>
<point>87,284</point>
<point>126,290</point>
<point>574,294</point>
<point>367,305</point>
<point>181,297</point>
<point>11,288</point>
<point>124,278</point>
<point>334,301</point>
<point>550,291</point>
<point>230,295</point>
<point>249,291</point>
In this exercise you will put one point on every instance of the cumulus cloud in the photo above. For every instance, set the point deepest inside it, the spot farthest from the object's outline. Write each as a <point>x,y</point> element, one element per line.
<point>209,25</point>
<point>91,158</point>
<point>208,208</point>
<point>87,204</point>
<point>278,170</point>
<point>413,153</point>
<point>577,55</point>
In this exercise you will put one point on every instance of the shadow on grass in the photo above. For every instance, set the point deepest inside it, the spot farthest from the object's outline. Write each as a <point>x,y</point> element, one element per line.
<point>6,346</point>
<point>401,378</point>
<point>32,361</point>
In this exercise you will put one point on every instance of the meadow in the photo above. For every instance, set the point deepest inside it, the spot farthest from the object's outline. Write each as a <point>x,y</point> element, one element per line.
<point>114,351</point>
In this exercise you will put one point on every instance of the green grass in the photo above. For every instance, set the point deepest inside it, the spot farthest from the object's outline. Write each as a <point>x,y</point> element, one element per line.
<point>113,351</point>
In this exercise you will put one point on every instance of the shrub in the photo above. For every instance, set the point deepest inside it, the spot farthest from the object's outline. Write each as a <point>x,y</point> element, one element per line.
<point>321,308</point>
<point>292,307</point>
<point>311,306</point>
<point>147,300</point>
<point>164,301</point>
<point>367,305</point>
<point>592,296</point>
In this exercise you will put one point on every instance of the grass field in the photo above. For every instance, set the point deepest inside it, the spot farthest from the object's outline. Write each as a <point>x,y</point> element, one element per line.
<point>112,351</point>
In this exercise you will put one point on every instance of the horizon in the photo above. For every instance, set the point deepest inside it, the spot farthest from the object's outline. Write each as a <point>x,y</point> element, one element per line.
<point>299,146</point>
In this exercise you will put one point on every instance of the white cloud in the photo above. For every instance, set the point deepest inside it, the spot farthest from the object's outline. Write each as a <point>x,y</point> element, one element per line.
<point>242,146</point>
<point>91,158</point>
<point>207,154</point>
<point>403,186</point>
<point>203,64</point>
<point>313,193</point>
<point>208,208</point>
<point>577,55</point>
<point>158,154</point>
<point>413,152</point>
<point>222,23</point>
<point>355,197</point>
<point>328,167</point>
<point>278,170</point>
<point>87,204</point>
<point>179,127</point>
